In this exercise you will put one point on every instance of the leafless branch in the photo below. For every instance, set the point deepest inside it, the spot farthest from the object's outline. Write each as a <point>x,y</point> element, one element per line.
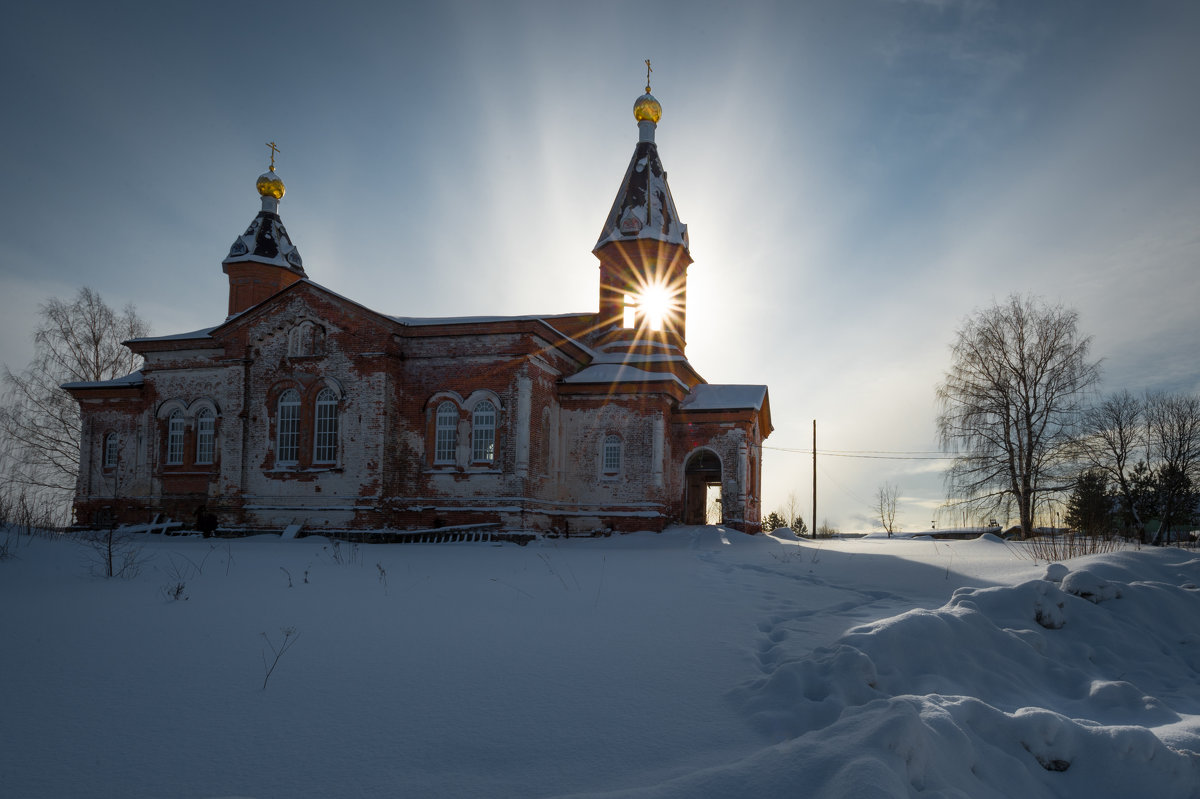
<point>1011,403</point>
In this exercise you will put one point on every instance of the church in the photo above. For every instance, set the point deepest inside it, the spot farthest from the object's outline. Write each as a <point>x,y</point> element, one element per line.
<point>306,409</point>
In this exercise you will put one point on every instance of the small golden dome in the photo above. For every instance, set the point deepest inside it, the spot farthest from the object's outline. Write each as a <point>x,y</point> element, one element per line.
<point>646,107</point>
<point>269,185</point>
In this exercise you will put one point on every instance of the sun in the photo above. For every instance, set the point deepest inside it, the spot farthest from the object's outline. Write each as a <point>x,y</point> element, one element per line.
<point>655,302</point>
<point>652,305</point>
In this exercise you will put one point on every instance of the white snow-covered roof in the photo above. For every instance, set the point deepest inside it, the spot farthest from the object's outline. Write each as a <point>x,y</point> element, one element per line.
<point>608,373</point>
<point>266,241</point>
<point>545,319</point>
<point>424,321</point>
<point>625,357</point>
<point>204,332</point>
<point>709,397</point>
<point>644,208</point>
<point>591,352</point>
<point>431,321</point>
<point>131,379</point>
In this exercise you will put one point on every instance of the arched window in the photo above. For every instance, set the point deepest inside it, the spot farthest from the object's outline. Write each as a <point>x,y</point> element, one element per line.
<point>612,455</point>
<point>445,440</point>
<point>112,443</point>
<point>325,436</point>
<point>175,438</point>
<point>206,436</point>
<point>483,432</point>
<point>287,439</point>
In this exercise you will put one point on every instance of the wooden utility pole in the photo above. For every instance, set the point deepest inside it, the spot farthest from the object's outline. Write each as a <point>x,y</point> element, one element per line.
<point>814,516</point>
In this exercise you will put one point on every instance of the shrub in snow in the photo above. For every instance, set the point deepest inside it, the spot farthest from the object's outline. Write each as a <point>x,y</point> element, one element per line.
<point>1048,610</point>
<point>1048,736</point>
<point>289,637</point>
<point>1055,572</point>
<point>1084,584</point>
<point>113,553</point>
<point>173,592</point>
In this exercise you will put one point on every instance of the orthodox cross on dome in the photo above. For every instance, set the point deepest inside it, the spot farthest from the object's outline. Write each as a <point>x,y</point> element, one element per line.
<point>648,71</point>
<point>275,149</point>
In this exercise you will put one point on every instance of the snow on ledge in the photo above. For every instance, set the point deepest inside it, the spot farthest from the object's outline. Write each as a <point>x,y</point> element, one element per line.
<point>620,373</point>
<point>132,379</point>
<point>709,397</point>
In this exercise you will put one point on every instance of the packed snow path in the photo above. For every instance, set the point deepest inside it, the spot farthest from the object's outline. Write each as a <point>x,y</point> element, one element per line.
<point>695,663</point>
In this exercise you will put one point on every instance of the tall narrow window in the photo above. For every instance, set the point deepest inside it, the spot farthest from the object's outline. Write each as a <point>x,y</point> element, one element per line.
<point>612,455</point>
<point>206,436</point>
<point>111,443</point>
<point>326,431</point>
<point>175,438</point>
<point>629,318</point>
<point>483,432</point>
<point>445,433</point>
<point>287,444</point>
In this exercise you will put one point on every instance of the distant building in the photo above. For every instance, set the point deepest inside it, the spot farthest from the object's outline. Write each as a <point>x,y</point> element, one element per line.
<point>305,407</point>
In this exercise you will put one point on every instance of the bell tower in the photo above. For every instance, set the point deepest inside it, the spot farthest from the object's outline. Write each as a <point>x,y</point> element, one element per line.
<point>263,260</point>
<point>643,251</point>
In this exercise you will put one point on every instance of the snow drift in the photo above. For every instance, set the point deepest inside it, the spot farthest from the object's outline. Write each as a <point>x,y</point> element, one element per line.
<point>695,663</point>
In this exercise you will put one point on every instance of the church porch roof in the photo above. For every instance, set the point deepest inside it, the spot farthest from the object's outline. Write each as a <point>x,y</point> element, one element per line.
<point>131,380</point>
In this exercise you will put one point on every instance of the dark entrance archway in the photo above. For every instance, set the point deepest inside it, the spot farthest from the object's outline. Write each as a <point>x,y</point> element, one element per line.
<point>701,473</point>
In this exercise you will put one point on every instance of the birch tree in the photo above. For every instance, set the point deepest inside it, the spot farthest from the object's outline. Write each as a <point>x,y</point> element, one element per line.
<point>885,507</point>
<point>76,340</point>
<point>1011,404</point>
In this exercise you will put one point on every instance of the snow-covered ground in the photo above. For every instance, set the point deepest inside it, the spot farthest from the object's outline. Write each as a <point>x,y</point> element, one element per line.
<point>695,663</point>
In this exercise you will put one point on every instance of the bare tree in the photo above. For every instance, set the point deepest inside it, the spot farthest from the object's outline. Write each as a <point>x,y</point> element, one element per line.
<point>79,340</point>
<point>1113,433</point>
<point>1011,403</point>
<point>792,516</point>
<point>1173,430</point>
<point>885,506</point>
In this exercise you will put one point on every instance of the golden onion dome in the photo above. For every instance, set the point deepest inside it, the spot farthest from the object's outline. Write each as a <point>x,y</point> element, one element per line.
<point>269,185</point>
<point>646,107</point>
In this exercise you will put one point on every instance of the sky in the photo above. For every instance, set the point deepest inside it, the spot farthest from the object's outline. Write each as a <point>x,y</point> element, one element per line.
<point>857,178</point>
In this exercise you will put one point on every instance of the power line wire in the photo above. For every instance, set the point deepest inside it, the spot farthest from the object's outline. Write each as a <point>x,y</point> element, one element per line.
<point>843,488</point>
<point>896,455</point>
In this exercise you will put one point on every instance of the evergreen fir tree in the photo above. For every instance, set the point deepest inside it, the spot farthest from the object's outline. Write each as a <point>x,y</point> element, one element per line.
<point>1089,509</point>
<point>773,521</point>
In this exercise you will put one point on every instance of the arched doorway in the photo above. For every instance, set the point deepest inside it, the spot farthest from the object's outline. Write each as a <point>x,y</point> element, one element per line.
<point>701,479</point>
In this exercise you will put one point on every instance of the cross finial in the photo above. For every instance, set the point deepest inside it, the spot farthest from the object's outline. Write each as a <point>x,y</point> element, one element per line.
<point>648,71</point>
<point>274,150</point>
